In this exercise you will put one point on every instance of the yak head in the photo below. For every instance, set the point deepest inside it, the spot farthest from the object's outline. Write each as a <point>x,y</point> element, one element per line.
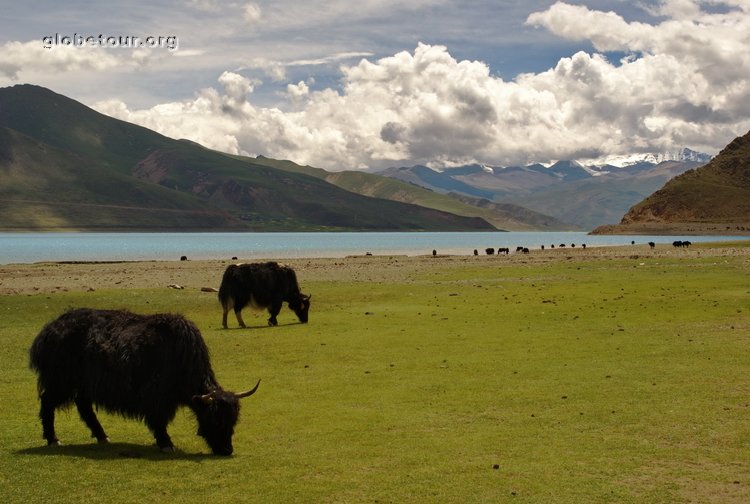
<point>300,306</point>
<point>217,413</point>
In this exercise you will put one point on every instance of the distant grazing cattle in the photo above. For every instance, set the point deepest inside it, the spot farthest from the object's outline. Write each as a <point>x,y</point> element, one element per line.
<point>519,249</point>
<point>476,252</point>
<point>542,247</point>
<point>525,250</point>
<point>489,251</point>
<point>503,250</point>
<point>140,366</point>
<point>583,245</point>
<point>261,285</point>
<point>562,245</point>
<point>651,244</point>
<point>679,243</point>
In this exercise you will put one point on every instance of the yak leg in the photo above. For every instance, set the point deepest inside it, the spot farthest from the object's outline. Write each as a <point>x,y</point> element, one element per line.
<point>224,317</point>
<point>89,417</point>
<point>47,415</point>
<point>274,310</point>
<point>159,429</point>
<point>236,313</point>
<point>232,304</point>
<point>228,305</point>
<point>239,317</point>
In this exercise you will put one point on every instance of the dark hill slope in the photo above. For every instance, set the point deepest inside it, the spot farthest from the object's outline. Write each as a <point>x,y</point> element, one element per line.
<point>42,187</point>
<point>712,199</point>
<point>67,166</point>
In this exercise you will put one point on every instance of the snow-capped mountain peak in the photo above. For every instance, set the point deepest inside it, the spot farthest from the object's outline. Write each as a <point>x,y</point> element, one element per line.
<point>681,155</point>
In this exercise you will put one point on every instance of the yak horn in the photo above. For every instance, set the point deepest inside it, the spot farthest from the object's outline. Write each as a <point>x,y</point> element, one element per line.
<point>206,398</point>
<point>247,393</point>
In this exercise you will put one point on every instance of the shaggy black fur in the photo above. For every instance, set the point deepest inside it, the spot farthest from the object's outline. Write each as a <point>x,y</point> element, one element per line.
<point>262,285</point>
<point>140,366</point>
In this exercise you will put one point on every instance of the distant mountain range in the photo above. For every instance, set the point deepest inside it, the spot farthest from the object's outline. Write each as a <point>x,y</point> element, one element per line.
<point>712,199</point>
<point>584,195</point>
<point>504,216</point>
<point>66,166</point>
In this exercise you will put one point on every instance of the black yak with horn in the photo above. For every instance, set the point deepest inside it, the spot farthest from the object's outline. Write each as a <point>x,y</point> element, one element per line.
<point>140,366</point>
<point>261,285</point>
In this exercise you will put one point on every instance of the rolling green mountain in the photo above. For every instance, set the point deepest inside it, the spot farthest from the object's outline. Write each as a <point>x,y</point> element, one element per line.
<point>43,187</point>
<point>66,166</point>
<point>712,199</point>
<point>501,215</point>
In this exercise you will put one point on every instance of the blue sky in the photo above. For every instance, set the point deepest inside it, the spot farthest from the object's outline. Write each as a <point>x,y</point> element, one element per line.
<point>288,32</point>
<point>390,82</point>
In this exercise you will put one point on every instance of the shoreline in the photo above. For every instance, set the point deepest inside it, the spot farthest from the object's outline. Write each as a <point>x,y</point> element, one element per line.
<point>91,276</point>
<point>36,247</point>
<point>673,229</point>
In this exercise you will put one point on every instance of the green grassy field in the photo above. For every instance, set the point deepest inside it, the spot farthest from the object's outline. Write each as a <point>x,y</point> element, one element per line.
<point>568,381</point>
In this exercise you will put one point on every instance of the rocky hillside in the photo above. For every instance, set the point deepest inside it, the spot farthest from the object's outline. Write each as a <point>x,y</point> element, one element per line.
<point>712,199</point>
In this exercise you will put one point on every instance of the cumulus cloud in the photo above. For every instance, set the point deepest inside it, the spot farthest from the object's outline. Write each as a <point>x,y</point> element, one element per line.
<point>252,13</point>
<point>16,57</point>
<point>685,81</point>
<point>26,60</point>
<point>272,68</point>
<point>277,70</point>
<point>298,91</point>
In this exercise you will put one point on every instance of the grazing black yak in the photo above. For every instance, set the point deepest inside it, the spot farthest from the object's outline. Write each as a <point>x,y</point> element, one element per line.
<point>261,285</point>
<point>140,366</point>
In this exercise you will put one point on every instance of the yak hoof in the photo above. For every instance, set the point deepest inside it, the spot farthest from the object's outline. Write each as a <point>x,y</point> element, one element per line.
<point>104,440</point>
<point>56,442</point>
<point>166,449</point>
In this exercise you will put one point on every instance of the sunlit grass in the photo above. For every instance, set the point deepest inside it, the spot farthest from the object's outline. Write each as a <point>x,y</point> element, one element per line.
<point>624,380</point>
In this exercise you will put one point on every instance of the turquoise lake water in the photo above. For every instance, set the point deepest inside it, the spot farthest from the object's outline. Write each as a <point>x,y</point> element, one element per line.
<point>43,247</point>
